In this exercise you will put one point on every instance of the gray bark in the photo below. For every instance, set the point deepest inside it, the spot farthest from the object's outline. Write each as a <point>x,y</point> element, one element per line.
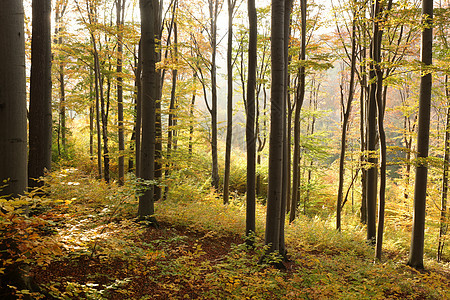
<point>40,110</point>
<point>13,114</point>
<point>250,121</point>
<point>149,95</point>
<point>420,189</point>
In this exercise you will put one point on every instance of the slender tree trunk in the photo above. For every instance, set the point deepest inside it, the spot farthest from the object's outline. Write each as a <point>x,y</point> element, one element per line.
<point>443,227</point>
<point>300,96</point>
<point>226,178</point>
<point>250,121</point>
<point>148,10</point>
<point>138,126</point>
<point>158,169</point>
<point>62,94</point>
<point>120,11</point>
<point>286,144</point>
<point>420,189</point>
<point>274,197</point>
<point>171,131</point>
<point>363,100</point>
<point>382,192</point>
<point>97,83</point>
<point>191,117</point>
<point>13,109</point>
<point>214,12</point>
<point>40,110</point>
<point>104,115</point>
<point>372,172</point>
<point>346,117</point>
<point>91,125</point>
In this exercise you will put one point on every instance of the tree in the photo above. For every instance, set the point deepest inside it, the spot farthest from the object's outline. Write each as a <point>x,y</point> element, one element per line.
<point>13,114</point>
<point>250,120</point>
<point>60,10</point>
<point>420,188</point>
<point>346,117</point>
<point>372,172</point>
<point>443,222</point>
<point>120,12</point>
<point>149,10</point>
<point>40,110</point>
<point>213,15</point>
<point>300,96</point>
<point>13,125</point>
<point>226,178</point>
<point>273,234</point>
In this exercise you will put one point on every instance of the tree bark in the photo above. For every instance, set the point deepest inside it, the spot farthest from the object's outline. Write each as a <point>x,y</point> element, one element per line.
<point>226,177</point>
<point>213,13</point>
<point>13,113</point>
<point>443,227</point>
<point>372,172</point>
<point>120,11</point>
<point>250,121</point>
<point>40,110</point>
<point>420,189</point>
<point>345,123</point>
<point>274,197</point>
<point>149,95</point>
<point>138,126</point>
<point>300,96</point>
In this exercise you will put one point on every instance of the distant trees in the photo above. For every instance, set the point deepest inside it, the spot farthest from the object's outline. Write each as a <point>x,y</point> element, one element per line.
<point>13,110</point>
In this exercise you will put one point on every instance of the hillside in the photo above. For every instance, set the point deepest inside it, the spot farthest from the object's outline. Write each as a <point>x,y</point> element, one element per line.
<point>87,244</point>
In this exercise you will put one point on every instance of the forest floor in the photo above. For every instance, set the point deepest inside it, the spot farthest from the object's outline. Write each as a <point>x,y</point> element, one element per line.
<point>92,247</point>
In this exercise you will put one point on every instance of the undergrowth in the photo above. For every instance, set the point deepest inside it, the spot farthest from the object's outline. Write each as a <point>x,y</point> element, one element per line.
<point>91,246</point>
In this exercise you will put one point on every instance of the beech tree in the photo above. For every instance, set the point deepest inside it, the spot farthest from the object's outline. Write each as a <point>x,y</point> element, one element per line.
<point>299,98</point>
<point>226,177</point>
<point>420,188</point>
<point>13,109</point>
<point>274,227</point>
<point>149,10</point>
<point>250,121</point>
<point>346,115</point>
<point>40,110</point>
<point>120,12</point>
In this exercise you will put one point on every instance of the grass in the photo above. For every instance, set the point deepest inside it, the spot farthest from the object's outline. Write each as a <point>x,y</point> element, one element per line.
<point>198,252</point>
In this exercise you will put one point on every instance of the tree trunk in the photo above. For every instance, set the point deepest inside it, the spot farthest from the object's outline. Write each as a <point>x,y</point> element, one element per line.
<point>138,126</point>
<point>300,96</point>
<point>443,227</point>
<point>214,12</point>
<point>120,11</point>
<point>104,114</point>
<point>372,172</point>
<point>40,110</point>
<point>13,113</point>
<point>158,119</point>
<point>346,117</point>
<point>191,116</point>
<point>363,100</point>
<point>274,197</point>
<point>226,177</point>
<point>250,121</point>
<point>171,131</point>
<point>420,189</point>
<point>148,10</point>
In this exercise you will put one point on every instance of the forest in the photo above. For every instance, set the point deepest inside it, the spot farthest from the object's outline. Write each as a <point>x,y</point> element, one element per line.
<point>224,149</point>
